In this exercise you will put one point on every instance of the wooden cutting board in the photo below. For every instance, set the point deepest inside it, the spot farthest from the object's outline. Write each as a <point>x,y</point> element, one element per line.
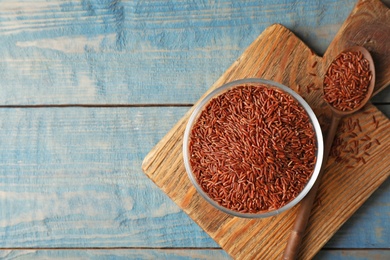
<point>360,157</point>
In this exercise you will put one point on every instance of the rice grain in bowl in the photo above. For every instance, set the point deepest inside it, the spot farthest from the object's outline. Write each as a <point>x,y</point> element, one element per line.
<point>253,148</point>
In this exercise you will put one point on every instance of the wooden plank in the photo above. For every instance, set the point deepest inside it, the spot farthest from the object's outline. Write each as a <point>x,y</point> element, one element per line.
<point>172,254</point>
<point>364,225</point>
<point>140,52</point>
<point>71,178</point>
<point>66,181</point>
<point>353,254</point>
<point>175,254</point>
<point>244,238</point>
<point>365,27</point>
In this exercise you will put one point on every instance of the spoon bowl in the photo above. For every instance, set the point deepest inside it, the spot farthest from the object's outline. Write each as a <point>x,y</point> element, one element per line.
<point>370,88</point>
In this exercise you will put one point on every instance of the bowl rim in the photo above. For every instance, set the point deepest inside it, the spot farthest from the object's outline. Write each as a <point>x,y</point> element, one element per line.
<point>269,83</point>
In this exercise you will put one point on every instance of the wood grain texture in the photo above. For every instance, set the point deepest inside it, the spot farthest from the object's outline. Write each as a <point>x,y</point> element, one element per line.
<point>368,26</point>
<point>354,228</point>
<point>71,178</point>
<point>173,254</point>
<point>338,199</point>
<point>139,52</point>
<point>353,254</point>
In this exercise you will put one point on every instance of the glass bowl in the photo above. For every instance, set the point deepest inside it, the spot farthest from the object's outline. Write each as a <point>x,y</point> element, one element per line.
<point>318,140</point>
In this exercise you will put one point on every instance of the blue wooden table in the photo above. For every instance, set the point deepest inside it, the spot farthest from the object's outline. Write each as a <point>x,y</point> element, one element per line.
<point>87,88</point>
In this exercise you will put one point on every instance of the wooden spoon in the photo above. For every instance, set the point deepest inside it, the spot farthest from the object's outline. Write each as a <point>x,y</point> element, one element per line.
<point>306,204</point>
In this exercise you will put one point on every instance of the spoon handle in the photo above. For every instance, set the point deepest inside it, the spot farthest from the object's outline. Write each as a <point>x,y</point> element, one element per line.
<point>303,214</point>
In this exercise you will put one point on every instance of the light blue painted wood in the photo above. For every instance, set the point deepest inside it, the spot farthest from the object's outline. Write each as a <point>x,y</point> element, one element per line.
<point>124,254</point>
<point>353,255</point>
<point>140,52</point>
<point>71,177</point>
<point>176,254</point>
<point>364,227</point>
